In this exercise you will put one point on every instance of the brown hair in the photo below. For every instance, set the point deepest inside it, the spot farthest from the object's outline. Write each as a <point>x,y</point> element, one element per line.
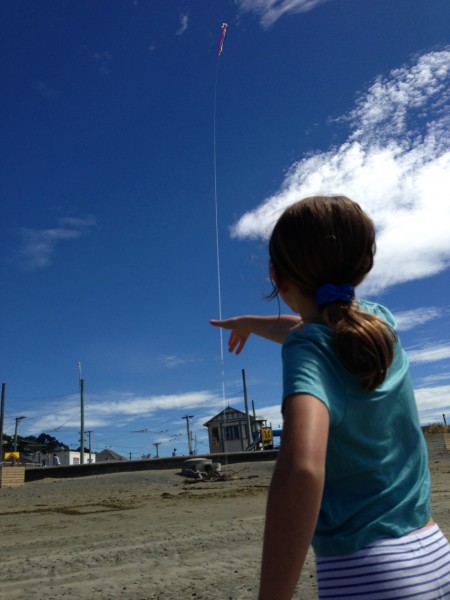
<point>330,239</point>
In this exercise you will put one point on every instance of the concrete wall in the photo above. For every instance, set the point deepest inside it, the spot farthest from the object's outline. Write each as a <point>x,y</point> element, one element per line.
<point>35,473</point>
<point>435,442</point>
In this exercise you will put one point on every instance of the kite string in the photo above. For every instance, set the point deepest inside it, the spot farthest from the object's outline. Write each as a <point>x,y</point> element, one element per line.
<point>216,206</point>
<point>230,519</point>
<point>219,294</point>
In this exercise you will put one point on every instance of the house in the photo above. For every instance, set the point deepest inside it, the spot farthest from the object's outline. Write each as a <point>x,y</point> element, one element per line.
<point>227,431</point>
<point>108,455</point>
<point>70,457</point>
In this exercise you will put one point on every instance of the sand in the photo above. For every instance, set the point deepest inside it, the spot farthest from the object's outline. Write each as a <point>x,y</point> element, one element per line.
<point>149,535</point>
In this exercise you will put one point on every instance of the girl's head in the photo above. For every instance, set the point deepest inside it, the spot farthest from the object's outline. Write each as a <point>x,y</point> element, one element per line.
<point>330,240</point>
<point>322,239</point>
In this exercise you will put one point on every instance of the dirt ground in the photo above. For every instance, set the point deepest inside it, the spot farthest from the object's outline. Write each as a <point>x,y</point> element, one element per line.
<point>150,535</point>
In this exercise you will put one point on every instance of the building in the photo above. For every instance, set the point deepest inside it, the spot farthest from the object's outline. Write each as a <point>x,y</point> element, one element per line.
<point>108,455</point>
<point>227,431</point>
<point>63,458</point>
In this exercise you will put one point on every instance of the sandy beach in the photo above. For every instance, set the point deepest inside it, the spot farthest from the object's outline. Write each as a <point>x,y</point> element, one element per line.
<point>150,535</point>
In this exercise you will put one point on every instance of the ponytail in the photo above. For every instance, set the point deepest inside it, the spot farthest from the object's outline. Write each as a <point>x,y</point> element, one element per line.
<point>363,342</point>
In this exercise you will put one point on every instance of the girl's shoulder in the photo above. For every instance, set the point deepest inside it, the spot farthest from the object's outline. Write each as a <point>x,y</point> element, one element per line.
<point>319,333</point>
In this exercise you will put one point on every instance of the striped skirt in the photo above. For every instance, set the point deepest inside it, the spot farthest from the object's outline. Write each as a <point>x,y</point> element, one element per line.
<point>416,565</point>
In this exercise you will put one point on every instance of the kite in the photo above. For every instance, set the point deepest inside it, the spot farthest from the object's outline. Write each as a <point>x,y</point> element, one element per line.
<point>222,38</point>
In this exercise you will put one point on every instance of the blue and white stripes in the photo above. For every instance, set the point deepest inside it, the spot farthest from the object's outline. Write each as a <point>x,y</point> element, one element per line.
<point>414,566</point>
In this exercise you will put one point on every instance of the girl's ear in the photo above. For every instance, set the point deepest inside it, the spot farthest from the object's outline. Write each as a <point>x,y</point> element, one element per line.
<point>274,277</point>
<point>282,286</point>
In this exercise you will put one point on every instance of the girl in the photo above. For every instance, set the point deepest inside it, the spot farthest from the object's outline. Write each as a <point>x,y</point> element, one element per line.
<point>352,473</point>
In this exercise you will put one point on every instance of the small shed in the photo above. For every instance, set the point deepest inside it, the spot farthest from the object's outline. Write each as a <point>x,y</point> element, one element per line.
<point>227,431</point>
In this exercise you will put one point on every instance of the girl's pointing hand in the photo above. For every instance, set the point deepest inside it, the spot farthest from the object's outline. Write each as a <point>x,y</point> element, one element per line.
<point>239,332</point>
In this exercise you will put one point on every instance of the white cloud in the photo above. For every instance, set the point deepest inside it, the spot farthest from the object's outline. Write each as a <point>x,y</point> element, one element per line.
<point>434,378</point>
<point>117,409</point>
<point>270,11</point>
<point>409,319</point>
<point>130,404</point>
<point>172,360</point>
<point>429,354</point>
<point>38,245</point>
<point>272,414</point>
<point>395,163</point>
<point>432,402</point>
<point>184,21</point>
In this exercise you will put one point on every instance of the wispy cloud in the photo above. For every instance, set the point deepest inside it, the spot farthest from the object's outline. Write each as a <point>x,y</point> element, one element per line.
<point>410,319</point>
<point>38,245</point>
<point>130,404</point>
<point>434,379</point>
<point>103,59</point>
<point>395,163</point>
<point>270,11</point>
<point>432,402</point>
<point>172,360</point>
<point>119,409</point>
<point>46,90</point>
<point>184,22</point>
<point>272,414</point>
<point>429,354</point>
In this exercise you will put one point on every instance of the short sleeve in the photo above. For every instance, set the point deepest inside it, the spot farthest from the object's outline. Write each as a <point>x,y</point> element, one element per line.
<point>301,373</point>
<point>310,366</point>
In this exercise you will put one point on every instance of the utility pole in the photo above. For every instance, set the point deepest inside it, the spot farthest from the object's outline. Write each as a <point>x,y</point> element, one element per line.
<point>2,419</point>
<point>18,419</point>
<point>247,414</point>
<point>82,421</point>
<point>188,417</point>
<point>157,444</point>
<point>90,445</point>
<point>81,414</point>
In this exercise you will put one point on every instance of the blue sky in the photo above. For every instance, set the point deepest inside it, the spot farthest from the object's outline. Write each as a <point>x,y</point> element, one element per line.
<point>108,234</point>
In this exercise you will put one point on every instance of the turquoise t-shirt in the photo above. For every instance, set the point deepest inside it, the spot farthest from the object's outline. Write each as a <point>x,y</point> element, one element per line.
<point>377,482</point>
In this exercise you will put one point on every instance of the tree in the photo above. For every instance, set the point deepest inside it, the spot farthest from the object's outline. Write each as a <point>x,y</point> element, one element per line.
<point>31,444</point>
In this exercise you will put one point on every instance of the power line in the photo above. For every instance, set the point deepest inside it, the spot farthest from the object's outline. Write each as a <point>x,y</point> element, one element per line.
<point>42,397</point>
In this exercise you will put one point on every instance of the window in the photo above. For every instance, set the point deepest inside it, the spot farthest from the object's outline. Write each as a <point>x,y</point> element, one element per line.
<point>232,432</point>
<point>215,434</point>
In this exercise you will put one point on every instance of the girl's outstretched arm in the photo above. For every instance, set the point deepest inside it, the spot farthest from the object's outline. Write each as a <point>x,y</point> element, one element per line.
<point>295,496</point>
<point>275,328</point>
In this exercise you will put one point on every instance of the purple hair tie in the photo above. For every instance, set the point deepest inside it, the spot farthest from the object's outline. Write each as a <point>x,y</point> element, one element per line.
<point>332,293</point>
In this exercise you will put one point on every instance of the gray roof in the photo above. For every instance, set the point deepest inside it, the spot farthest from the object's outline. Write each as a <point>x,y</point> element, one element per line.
<point>108,454</point>
<point>220,416</point>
